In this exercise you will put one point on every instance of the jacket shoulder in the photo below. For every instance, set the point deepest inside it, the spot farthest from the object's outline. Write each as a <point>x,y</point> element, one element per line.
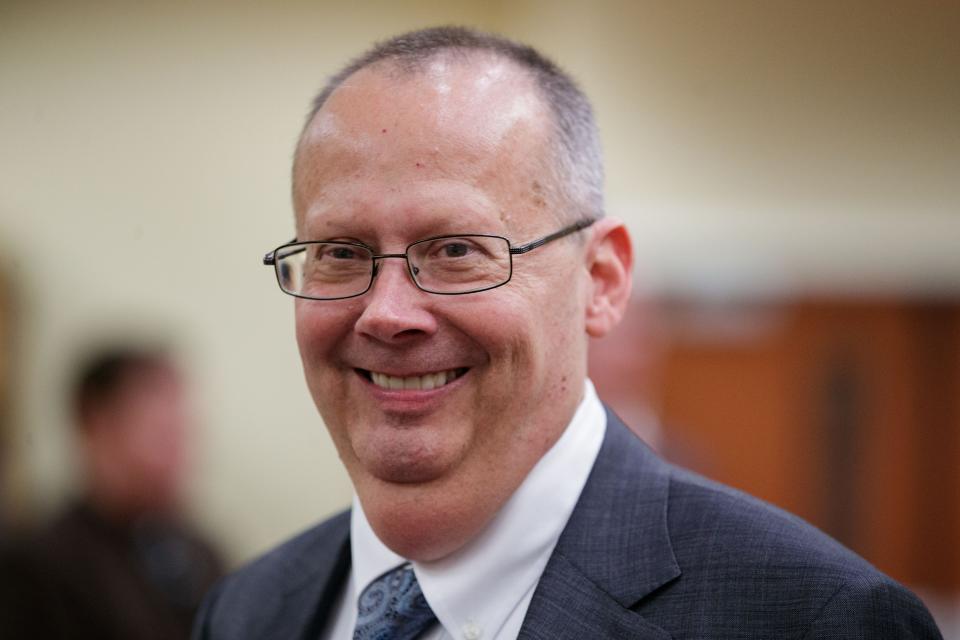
<point>274,590</point>
<point>742,556</point>
<point>706,517</point>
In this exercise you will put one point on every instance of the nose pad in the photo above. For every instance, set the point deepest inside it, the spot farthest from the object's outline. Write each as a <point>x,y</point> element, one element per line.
<point>413,269</point>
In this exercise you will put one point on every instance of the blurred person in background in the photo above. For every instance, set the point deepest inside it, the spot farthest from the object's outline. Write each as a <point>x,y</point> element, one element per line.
<point>119,562</point>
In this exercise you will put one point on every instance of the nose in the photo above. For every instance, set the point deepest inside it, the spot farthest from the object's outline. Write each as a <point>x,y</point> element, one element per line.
<point>395,309</point>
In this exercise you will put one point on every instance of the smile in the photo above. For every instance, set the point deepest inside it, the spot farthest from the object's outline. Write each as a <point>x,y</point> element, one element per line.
<point>417,383</point>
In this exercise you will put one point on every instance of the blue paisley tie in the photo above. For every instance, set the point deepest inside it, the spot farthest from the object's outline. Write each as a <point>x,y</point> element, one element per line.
<point>392,607</point>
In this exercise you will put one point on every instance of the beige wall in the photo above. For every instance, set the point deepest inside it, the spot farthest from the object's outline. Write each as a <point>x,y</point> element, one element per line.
<point>771,145</point>
<point>144,152</point>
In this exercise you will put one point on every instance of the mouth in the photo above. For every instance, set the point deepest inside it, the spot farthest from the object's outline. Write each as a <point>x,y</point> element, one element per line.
<point>424,382</point>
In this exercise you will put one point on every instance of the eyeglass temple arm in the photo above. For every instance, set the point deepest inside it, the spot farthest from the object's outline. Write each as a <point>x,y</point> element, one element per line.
<point>270,259</point>
<point>530,246</point>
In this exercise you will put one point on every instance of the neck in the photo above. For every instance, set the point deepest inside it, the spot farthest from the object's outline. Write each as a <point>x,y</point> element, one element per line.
<point>425,522</point>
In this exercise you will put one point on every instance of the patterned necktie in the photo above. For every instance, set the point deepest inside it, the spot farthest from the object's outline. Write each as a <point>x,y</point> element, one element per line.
<point>392,607</point>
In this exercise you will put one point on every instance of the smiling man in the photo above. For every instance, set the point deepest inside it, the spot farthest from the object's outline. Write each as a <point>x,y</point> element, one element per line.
<point>451,261</point>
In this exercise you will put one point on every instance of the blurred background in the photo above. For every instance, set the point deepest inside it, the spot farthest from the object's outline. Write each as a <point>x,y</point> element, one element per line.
<point>790,172</point>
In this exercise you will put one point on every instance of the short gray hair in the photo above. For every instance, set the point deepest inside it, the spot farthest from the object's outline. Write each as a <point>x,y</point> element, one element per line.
<point>577,155</point>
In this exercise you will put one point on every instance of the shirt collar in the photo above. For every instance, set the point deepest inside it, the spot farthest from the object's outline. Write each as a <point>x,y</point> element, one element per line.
<point>503,563</point>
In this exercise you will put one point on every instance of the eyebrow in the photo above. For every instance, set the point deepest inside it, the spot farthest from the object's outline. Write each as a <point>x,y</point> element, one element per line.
<point>446,225</point>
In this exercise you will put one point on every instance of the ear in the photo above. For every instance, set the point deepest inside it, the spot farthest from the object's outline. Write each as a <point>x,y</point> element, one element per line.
<point>610,264</point>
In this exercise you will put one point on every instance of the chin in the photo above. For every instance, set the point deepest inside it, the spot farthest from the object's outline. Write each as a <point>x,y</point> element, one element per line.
<point>411,454</point>
<point>407,473</point>
<point>406,463</point>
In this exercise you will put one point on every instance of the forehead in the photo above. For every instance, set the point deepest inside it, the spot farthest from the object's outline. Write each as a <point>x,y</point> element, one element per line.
<point>474,103</point>
<point>476,124</point>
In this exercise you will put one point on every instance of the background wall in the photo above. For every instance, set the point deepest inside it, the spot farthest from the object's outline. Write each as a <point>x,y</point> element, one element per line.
<point>756,148</point>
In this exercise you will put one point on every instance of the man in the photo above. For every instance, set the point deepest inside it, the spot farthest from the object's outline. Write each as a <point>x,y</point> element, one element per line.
<point>451,260</point>
<point>118,563</point>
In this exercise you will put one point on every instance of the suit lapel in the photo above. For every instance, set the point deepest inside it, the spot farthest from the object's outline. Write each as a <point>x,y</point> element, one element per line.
<point>614,551</point>
<point>321,570</point>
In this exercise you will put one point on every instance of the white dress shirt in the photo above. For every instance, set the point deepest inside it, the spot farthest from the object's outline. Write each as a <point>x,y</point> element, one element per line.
<point>483,590</point>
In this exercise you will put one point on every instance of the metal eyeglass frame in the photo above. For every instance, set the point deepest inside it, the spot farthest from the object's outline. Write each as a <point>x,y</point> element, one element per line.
<point>270,258</point>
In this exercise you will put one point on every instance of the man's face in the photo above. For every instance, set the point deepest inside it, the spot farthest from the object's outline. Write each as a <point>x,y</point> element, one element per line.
<point>394,158</point>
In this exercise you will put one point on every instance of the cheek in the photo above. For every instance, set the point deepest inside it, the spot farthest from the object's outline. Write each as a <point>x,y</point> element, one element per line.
<point>509,330</point>
<point>319,327</point>
<point>319,330</point>
<point>549,334</point>
<point>307,333</point>
<point>550,309</point>
<point>308,324</point>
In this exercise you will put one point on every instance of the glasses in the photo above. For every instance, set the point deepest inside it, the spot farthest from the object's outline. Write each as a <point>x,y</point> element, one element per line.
<point>446,265</point>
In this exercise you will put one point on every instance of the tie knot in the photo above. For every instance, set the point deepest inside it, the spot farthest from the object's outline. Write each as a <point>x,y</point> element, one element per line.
<point>392,607</point>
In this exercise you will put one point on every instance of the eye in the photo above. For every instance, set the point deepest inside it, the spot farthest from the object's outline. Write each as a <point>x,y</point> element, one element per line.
<point>343,253</point>
<point>455,249</point>
<point>454,252</point>
<point>339,252</point>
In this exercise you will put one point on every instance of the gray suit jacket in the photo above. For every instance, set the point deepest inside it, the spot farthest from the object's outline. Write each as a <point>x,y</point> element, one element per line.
<point>651,551</point>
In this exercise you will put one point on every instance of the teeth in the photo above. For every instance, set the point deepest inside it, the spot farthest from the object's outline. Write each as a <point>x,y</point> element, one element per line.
<point>426,382</point>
